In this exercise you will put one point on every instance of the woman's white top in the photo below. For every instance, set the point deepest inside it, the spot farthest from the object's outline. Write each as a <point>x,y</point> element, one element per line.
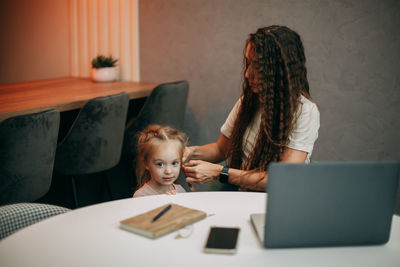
<point>302,138</point>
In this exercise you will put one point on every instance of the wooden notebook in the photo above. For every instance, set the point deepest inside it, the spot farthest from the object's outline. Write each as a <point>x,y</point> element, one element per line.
<point>175,218</point>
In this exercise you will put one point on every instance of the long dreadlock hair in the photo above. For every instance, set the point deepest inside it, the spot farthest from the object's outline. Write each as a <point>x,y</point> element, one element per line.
<point>281,79</point>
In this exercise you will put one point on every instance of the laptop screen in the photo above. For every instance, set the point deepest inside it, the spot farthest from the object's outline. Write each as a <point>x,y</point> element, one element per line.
<point>330,204</point>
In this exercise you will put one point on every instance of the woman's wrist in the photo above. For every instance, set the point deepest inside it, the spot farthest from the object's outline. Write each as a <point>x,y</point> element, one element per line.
<point>189,153</point>
<point>218,171</point>
<point>193,152</point>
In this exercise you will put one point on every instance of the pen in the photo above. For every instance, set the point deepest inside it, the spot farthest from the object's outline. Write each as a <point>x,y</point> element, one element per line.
<point>161,213</point>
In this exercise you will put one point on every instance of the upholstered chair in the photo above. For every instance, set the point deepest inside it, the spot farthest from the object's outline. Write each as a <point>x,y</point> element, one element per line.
<point>166,105</point>
<point>27,149</point>
<point>16,216</point>
<point>94,142</point>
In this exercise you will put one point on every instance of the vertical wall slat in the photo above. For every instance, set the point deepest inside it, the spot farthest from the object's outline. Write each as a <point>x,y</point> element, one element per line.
<point>83,40</point>
<point>91,29</point>
<point>134,36</point>
<point>74,66</point>
<point>93,35</point>
<point>113,27</point>
<point>108,27</point>
<point>100,29</point>
<point>105,27</point>
<point>124,32</point>
<point>131,44</point>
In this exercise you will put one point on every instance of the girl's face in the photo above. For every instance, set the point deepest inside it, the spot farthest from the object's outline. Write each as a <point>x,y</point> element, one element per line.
<point>252,69</point>
<point>165,162</point>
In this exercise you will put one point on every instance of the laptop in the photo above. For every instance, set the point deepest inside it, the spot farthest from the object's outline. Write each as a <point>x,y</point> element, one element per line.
<point>328,204</point>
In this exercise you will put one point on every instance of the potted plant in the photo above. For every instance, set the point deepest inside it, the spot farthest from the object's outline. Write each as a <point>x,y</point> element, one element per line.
<point>104,69</point>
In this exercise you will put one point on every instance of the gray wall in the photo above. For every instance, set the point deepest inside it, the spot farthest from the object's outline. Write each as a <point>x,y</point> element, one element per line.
<point>353,53</point>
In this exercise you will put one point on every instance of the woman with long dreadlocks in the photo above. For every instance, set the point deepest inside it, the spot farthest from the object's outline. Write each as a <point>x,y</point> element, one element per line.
<point>273,120</point>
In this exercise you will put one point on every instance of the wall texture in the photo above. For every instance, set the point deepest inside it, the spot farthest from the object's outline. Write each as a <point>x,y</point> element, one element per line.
<point>353,61</point>
<point>34,42</point>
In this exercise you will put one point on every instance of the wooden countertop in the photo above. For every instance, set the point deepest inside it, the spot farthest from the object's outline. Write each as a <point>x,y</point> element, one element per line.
<point>61,94</point>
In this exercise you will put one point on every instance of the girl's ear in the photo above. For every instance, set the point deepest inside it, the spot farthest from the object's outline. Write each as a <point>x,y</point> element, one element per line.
<point>146,166</point>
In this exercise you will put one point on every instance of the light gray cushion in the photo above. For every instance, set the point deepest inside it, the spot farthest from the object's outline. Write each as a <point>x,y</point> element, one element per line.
<point>16,216</point>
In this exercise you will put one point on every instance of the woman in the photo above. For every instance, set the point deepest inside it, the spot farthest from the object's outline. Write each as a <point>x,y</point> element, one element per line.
<point>273,120</point>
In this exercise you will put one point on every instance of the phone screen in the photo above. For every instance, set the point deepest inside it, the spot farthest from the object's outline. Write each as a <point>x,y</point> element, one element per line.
<point>222,240</point>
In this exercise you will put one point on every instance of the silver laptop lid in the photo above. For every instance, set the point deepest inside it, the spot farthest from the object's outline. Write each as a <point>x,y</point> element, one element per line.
<point>330,204</point>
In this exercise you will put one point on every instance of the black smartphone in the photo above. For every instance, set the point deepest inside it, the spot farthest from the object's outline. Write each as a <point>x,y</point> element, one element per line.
<point>222,240</point>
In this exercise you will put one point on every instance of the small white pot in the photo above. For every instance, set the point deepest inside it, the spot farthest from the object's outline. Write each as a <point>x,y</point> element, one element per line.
<point>109,74</point>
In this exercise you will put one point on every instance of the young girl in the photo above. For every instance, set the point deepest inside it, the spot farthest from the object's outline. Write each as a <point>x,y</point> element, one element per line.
<point>160,150</point>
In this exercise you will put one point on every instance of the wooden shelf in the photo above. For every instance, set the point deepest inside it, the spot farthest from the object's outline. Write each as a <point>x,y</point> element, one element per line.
<point>61,94</point>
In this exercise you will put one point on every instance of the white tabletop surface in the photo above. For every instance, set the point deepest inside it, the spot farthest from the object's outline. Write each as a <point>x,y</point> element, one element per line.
<point>91,236</point>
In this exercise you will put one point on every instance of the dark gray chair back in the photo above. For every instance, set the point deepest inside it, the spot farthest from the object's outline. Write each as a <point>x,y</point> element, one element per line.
<point>27,148</point>
<point>94,141</point>
<point>166,105</point>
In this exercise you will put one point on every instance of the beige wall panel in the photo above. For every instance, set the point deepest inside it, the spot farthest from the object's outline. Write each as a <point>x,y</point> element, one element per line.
<point>34,41</point>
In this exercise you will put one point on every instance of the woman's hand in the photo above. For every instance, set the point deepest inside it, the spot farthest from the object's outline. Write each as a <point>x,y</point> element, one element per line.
<point>200,172</point>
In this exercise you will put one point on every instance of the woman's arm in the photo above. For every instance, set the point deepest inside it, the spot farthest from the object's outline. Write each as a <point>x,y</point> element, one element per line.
<point>200,172</point>
<point>255,180</point>
<point>214,152</point>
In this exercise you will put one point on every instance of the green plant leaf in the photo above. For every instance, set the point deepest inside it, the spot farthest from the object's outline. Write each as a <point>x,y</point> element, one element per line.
<point>102,61</point>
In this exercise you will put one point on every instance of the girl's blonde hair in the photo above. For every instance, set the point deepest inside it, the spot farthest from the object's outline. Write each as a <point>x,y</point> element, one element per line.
<point>148,140</point>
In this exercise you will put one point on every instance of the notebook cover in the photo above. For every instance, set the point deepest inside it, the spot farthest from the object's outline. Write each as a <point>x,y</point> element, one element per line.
<point>176,218</point>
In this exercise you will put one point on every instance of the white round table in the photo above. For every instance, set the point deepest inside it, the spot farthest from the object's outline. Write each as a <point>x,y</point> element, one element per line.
<point>91,236</point>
